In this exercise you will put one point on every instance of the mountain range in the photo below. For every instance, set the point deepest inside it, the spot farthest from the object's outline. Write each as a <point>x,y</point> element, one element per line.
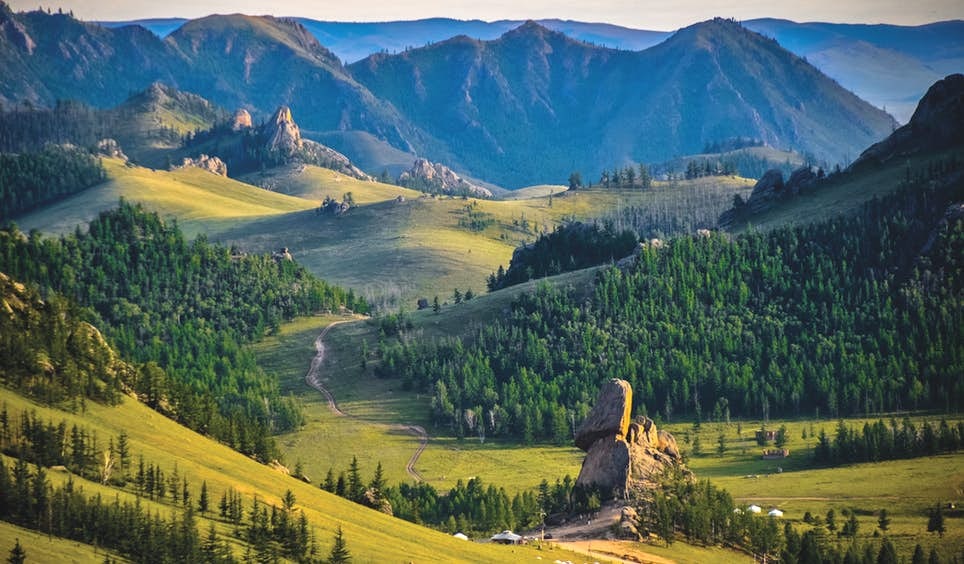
<point>481,107</point>
<point>890,66</point>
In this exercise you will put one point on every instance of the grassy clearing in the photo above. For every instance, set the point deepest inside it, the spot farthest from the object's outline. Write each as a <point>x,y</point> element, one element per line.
<point>906,488</point>
<point>370,535</point>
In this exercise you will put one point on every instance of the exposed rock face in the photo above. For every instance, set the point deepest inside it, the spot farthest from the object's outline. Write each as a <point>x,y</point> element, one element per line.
<point>204,162</point>
<point>438,178</point>
<point>241,120</point>
<point>610,415</point>
<point>935,125</point>
<point>286,144</point>
<point>110,148</point>
<point>621,456</point>
<point>285,136</point>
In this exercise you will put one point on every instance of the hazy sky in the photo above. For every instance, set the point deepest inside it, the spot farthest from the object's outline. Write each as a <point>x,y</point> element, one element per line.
<point>662,15</point>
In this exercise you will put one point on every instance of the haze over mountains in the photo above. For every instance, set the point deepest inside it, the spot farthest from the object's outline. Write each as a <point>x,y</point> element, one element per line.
<point>890,66</point>
<point>481,107</point>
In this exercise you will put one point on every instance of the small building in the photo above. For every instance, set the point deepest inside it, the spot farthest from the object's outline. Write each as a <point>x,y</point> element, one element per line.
<point>507,537</point>
<point>775,513</point>
<point>755,509</point>
<point>775,453</point>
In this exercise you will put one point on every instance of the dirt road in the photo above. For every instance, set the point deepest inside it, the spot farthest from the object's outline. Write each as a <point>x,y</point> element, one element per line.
<point>313,379</point>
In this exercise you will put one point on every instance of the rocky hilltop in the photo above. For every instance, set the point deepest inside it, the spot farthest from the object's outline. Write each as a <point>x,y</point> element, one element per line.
<point>437,178</point>
<point>285,145</point>
<point>622,454</point>
<point>935,125</point>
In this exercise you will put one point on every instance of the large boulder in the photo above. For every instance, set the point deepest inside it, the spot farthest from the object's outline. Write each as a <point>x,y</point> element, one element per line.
<point>610,415</point>
<point>606,467</point>
<point>622,457</point>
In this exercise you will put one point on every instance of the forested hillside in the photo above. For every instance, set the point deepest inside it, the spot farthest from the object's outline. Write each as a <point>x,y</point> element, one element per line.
<point>33,179</point>
<point>182,310</point>
<point>858,314</point>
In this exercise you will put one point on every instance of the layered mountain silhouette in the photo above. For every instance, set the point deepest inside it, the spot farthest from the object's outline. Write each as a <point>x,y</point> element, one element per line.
<point>484,108</point>
<point>537,92</point>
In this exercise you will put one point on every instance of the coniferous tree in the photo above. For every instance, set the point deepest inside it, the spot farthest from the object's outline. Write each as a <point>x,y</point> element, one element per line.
<point>339,551</point>
<point>17,554</point>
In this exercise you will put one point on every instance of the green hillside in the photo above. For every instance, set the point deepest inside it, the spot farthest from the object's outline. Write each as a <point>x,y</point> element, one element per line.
<point>370,535</point>
<point>201,201</point>
<point>316,183</point>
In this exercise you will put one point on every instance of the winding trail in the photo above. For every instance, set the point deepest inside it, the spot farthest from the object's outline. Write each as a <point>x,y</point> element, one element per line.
<point>313,379</point>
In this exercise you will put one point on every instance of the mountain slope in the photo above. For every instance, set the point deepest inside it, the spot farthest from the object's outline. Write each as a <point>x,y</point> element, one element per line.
<point>48,57</point>
<point>534,91</point>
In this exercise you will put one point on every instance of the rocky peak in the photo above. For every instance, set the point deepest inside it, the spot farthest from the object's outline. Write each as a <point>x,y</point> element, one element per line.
<point>622,455</point>
<point>438,178</point>
<point>284,134</point>
<point>241,120</point>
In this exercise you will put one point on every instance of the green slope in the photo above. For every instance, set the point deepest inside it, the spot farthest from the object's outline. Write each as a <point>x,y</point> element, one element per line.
<point>200,200</point>
<point>370,535</point>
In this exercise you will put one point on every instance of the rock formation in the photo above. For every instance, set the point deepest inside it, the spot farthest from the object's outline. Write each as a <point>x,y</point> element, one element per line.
<point>241,120</point>
<point>284,135</point>
<point>769,190</point>
<point>622,455</point>
<point>110,148</point>
<point>438,178</point>
<point>935,125</point>
<point>204,162</point>
<point>285,145</point>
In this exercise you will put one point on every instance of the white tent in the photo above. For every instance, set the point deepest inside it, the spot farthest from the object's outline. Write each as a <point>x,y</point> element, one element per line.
<point>507,537</point>
<point>775,513</point>
<point>755,509</point>
<point>460,536</point>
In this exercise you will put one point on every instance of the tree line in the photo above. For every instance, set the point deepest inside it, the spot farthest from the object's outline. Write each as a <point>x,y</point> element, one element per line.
<point>568,247</point>
<point>470,507</point>
<point>789,321</point>
<point>30,180</point>
<point>881,441</point>
<point>182,312</point>
<point>703,513</point>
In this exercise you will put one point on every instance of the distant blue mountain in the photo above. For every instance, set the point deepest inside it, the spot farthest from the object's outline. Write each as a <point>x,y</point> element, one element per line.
<point>888,65</point>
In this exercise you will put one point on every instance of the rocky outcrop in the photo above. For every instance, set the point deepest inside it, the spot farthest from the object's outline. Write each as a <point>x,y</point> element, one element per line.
<point>284,135</point>
<point>935,125</point>
<point>437,178</point>
<point>285,145</point>
<point>610,415</point>
<point>768,191</point>
<point>211,164</point>
<point>110,148</point>
<point>622,456</point>
<point>241,120</point>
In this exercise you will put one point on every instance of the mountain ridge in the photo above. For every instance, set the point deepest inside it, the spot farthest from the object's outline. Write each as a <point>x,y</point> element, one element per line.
<point>581,106</point>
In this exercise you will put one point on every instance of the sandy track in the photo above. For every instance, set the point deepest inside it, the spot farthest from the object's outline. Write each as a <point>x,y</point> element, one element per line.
<point>313,379</point>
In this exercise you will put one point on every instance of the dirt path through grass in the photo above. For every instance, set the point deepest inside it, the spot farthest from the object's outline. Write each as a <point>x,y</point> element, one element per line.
<point>313,379</point>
